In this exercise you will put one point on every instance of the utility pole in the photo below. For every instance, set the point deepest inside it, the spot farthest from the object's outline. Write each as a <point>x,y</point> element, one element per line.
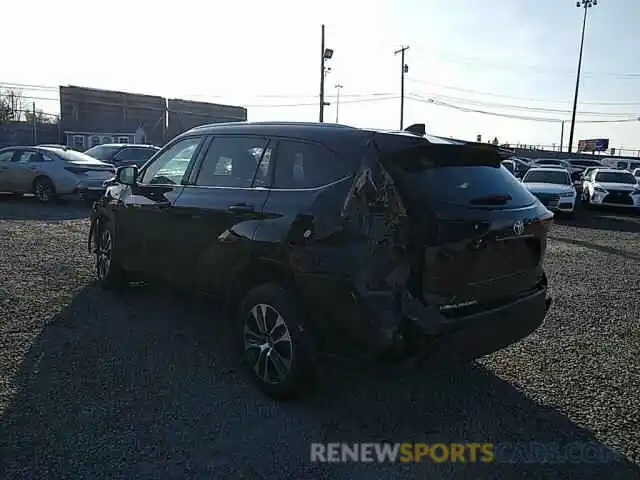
<point>404,68</point>
<point>35,125</point>
<point>322,77</point>
<point>338,87</point>
<point>586,5</point>
<point>325,54</point>
<point>562,135</point>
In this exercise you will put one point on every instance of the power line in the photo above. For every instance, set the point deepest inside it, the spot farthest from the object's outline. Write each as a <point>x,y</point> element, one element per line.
<point>275,96</point>
<point>512,106</point>
<point>9,85</point>
<point>513,97</point>
<point>490,63</point>
<point>513,116</point>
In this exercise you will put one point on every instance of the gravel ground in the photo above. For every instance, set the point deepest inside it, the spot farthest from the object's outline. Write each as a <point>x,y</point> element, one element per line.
<point>144,384</point>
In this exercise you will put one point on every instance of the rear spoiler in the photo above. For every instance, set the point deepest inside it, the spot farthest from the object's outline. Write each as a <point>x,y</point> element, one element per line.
<point>419,129</point>
<point>399,149</point>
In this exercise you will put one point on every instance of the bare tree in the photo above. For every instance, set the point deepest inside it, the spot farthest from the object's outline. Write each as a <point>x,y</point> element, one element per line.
<point>11,106</point>
<point>40,116</point>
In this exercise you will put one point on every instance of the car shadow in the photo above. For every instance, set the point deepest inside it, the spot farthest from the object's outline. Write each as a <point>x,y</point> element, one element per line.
<point>28,208</point>
<point>603,219</point>
<point>145,384</point>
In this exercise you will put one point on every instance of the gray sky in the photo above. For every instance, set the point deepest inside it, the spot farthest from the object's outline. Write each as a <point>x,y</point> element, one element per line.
<point>510,57</point>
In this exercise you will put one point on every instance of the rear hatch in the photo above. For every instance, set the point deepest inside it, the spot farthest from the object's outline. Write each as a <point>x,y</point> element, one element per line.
<point>481,234</point>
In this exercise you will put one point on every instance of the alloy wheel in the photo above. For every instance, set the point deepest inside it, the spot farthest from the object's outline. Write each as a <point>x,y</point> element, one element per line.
<point>103,255</point>
<point>268,344</point>
<point>43,192</point>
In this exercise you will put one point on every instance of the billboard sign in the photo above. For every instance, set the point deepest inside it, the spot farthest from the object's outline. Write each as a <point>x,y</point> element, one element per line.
<point>594,145</point>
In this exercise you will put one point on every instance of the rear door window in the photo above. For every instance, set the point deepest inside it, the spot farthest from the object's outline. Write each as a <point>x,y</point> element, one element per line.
<point>301,165</point>
<point>234,162</point>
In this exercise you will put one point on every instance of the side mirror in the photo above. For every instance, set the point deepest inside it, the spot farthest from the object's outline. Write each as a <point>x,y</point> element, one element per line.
<point>127,175</point>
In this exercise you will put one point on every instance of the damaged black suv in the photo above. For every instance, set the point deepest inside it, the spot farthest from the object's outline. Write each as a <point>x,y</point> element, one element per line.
<point>329,239</point>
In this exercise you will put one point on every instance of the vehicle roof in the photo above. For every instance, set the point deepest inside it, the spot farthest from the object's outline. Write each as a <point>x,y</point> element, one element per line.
<point>609,169</point>
<point>547,169</point>
<point>306,130</point>
<point>126,145</point>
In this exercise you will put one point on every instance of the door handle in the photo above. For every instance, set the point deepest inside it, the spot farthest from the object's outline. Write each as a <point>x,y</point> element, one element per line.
<point>241,208</point>
<point>162,205</point>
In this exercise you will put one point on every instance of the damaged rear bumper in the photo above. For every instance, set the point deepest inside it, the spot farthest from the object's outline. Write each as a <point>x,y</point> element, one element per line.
<point>477,335</point>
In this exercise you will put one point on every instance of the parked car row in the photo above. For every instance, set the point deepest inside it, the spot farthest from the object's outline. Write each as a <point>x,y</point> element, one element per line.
<point>558,183</point>
<point>53,171</point>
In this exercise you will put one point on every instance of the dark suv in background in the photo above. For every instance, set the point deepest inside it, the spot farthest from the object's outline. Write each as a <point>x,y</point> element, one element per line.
<point>330,239</point>
<point>122,154</point>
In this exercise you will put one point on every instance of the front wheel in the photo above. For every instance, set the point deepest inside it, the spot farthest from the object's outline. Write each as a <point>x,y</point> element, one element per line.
<point>275,345</point>
<point>109,273</point>
<point>44,190</point>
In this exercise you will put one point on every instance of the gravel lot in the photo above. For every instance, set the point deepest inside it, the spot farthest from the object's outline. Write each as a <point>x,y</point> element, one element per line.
<point>144,384</point>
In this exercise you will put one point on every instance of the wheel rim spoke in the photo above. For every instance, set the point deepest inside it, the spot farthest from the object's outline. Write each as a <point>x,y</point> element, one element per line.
<point>103,255</point>
<point>280,365</point>
<point>268,344</point>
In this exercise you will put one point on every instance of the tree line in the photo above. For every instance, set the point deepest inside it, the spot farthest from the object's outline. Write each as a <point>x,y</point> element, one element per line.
<point>14,108</point>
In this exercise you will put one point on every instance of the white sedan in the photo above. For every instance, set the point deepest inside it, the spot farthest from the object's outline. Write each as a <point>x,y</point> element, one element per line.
<point>611,187</point>
<point>553,187</point>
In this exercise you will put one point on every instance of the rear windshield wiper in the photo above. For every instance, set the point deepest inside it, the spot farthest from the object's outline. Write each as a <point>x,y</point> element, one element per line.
<point>497,199</point>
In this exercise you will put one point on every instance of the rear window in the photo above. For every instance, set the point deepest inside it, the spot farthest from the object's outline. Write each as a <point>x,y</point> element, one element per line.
<point>73,156</point>
<point>615,177</point>
<point>102,152</point>
<point>547,176</point>
<point>465,185</point>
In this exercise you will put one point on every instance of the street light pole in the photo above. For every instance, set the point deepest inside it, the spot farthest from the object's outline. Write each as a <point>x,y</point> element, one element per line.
<point>338,88</point>
<point>404,69</point>
<point>586,5</point>
<point>325,54</point>
<point>322,59</point>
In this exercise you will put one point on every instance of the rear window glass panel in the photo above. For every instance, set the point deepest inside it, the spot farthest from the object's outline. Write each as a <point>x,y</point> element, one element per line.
<point>615,177</point>
<point>459,184</point>
<point>546,176</point>
<point>102,152</point>
<point>73,156</point>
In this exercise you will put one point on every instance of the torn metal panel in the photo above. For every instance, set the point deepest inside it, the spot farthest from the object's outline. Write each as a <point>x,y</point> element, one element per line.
<point>368,244</point>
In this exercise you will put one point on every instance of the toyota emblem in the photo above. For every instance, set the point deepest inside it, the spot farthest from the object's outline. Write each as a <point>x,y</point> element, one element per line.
<point>518,227</point>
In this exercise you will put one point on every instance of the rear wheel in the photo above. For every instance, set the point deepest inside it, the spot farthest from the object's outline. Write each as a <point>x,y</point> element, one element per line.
<point>44,190</point>
<point>109,272</point>
<point>275,346</point>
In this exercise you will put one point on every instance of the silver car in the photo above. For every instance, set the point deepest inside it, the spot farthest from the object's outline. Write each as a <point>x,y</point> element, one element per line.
<point>50,172</point>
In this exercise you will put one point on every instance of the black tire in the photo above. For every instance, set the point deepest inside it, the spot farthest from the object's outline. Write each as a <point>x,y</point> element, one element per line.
<point>279,307</point>
<point>570,215</point>
<point>44,190</point>
<point>109,272</point>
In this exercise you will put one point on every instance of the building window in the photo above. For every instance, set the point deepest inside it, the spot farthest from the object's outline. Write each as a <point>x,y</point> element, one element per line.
<point>95,140</point>
<point>107,140</point>
<point>123,139</point>
<point>78,142</point>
